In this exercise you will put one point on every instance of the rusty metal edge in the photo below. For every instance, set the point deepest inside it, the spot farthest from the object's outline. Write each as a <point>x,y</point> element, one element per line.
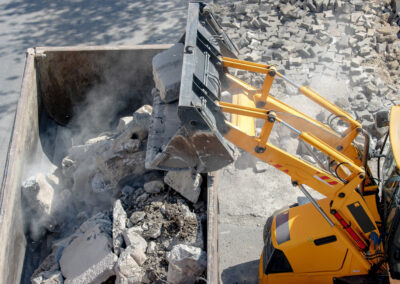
<point>13,148</point>
<point>212,228</point>
<point>42,49</point>
<point>16,128</point>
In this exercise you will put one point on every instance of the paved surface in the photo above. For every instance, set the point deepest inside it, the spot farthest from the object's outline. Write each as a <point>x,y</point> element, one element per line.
<point>249,191</point>
<point>30,23</point>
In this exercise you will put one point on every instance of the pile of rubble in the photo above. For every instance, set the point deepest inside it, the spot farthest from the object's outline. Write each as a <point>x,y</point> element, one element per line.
<point>105,217</point>
<point>355,42</point>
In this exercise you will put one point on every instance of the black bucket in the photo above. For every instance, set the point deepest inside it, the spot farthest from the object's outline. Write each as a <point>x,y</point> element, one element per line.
<point>188,126</point>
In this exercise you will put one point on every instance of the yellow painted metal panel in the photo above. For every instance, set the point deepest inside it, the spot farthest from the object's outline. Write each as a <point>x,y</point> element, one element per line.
<point>394,130</point>
<point>244,123</point>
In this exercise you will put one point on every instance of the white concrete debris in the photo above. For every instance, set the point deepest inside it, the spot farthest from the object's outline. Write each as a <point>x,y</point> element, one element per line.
<point>167,69</point>
<point>187,183</point>
<point>49,277</point>
<point>119,226</point>
<point>127,270</point>
<point>134,239</point>
<point>89,257</point>
<point>137,217</point>
<point>40,204</point>
<point>97,273</point>
<point>185,264</point>
<point>123,122</point>
<point>106,168</point>
<point>137,253</point>
<point>151,248</point>
<point>39,193</point>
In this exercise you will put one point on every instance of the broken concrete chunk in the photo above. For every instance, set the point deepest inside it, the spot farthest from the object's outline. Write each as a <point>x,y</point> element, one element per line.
<point>142,198</point>
<point>154,186</point>
<point>167,70</point>
<point>133,239</point>
<point>137,217</point>
<point>121,167</point>
<point>137,254</point>
<point>41,205</point>
<point>100,219</point>
<point>134,132</point>
<point>137,229</point>
<point>97,140</point>
<point>123,122</point>
<point>153,231</point>
<point>185,264</point>
<point>49,277</point>
<point>39,193</point>
<point>142,114</point>
<point>187,214</point>
<point>88,258</point>
<point>187,183</point>
<point>47,267</point>
<point>151,248</point>
<point>96,273</point>
<point>119,225</point>
<point>127,270</point>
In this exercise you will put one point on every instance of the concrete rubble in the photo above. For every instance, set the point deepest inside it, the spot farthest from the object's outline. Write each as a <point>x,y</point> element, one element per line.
<point>167,69</point>
<point>119,219</point>
<point>186,183</point>
<point>119,226</point>
<point>185,263</point>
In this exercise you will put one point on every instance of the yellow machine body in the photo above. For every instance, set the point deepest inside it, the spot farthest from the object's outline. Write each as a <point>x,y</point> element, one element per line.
<point>330,238</point>
<point>317,254</point>
<point>394,130</point>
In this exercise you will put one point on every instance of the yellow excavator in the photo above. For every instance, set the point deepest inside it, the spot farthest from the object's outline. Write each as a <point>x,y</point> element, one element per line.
<point>351,235</point>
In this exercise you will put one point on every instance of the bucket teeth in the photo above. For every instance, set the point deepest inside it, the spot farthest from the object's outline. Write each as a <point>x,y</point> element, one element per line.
<point>167,146</point>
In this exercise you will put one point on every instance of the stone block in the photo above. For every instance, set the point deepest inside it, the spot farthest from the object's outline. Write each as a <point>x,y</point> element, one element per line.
<point>167,70</point>
<point>356,62</point>
<point>187,183</point>
<point>39,194</point>
<point>123,122</point>
<point>128,270</point>
<point>364,115</point>
<point>119,226</point>
<point>48,277</point>
<point>133,239</point>
<point>343,42</point>
<point>185,264</point>
<point>88,258</point>
<point>137,216</point>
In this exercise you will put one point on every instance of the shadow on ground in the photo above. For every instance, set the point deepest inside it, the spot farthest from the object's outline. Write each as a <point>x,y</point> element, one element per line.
<point>95,22</point>
<point>244,273</point>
